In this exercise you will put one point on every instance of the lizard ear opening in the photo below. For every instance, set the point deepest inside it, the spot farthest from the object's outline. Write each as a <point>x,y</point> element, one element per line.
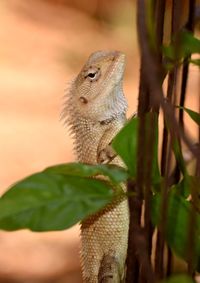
<point>83,100</point>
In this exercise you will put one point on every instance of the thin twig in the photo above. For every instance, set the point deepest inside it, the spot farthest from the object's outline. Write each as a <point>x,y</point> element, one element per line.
<point>135,201</point>
<point>135,204</point>
<point>139,258</point>
<point>149,153</point>
<point>159,258</point>
<point>171,88</point>
<point>160,17</point>
<point>189,26</point>
<point>192,218</point>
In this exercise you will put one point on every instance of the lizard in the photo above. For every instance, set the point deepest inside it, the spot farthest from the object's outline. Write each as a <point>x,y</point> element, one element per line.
<point>95,111</point>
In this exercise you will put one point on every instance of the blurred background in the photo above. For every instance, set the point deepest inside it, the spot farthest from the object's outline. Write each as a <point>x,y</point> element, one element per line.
<point>44,44</point>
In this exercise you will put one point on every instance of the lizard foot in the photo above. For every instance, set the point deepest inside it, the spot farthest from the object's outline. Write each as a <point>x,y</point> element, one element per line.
<point>109,270</point>
<point>106,155</point>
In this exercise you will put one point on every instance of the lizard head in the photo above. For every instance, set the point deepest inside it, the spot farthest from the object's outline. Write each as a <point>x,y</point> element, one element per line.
<point>97,90</point>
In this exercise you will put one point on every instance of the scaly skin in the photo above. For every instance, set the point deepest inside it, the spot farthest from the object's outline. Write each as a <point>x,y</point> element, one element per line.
<point>96,110</point>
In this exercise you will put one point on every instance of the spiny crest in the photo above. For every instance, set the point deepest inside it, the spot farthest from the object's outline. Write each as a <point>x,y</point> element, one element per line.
<point>67,106</point>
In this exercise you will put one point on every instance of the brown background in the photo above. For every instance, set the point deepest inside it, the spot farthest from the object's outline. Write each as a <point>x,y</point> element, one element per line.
<point>43,46</point>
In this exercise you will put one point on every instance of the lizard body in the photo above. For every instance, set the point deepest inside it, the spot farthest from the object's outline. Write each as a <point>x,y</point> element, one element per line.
<point>96,111</point>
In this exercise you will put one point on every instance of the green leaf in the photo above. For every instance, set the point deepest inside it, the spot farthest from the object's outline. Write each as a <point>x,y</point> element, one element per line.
<point>115,173</point>
<point>189,44</point>
<point>187,185</point>
<point>180,278</point>
<point>176,226</point>
<point>48,201</point>
<point>126,142</point>
<point>169,52</point>
<point>182,46</point>
<point>195,62</point>
<point>178,155</point>
<point>195,116</point>
<point>183,188</point>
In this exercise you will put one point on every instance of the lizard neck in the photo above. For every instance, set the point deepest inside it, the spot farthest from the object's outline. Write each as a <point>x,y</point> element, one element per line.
<point>89,126</point>
<point>87,135</point>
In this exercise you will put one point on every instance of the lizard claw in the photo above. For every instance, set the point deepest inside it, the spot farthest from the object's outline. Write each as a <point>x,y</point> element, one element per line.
<point>106,155</point>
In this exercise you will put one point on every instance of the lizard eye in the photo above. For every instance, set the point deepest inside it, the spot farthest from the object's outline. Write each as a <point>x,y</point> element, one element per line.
<point>92,74</point>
